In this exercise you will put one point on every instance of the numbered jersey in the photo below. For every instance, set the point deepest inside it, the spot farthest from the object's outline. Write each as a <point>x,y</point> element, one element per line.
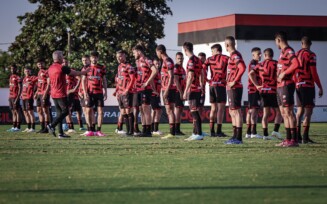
<point>124,77</point>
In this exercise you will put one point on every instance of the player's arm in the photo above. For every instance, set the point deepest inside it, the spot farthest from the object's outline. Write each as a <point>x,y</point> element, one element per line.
<point>241,67</point>
<point>105,85</point>
<point>71,72</point>
<point>253,77</point>
<point>154,71</point>
<point>315,76</point>
<point>170,82</point>
<point>178,85</point>
<point>19,91</point>
<point>84,87</point>
<point>189,80</point>
<point>294,65</point>
<point>77,85</point>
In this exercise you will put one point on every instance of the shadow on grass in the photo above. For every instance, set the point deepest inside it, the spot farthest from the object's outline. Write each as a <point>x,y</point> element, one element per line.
<point>181,188</point>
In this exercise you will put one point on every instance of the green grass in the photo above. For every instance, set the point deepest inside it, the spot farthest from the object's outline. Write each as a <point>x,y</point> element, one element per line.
<point>42,169</point>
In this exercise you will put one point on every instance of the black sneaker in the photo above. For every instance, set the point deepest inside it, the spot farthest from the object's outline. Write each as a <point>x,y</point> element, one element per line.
<point>213,134</point>
<point>221,134</point>
<point>146,135</point>
<point>308,141</point>
<point>63,136</point>
<point>39,131</point>
<point>51,130</point>
<point>45,130</point>
<point>179,133</point>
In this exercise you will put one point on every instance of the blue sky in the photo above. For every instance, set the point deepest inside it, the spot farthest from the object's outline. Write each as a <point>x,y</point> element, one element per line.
<point>183,10</point>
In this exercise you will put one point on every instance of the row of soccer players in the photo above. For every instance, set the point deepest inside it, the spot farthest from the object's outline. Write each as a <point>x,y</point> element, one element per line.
<point>271,82</point>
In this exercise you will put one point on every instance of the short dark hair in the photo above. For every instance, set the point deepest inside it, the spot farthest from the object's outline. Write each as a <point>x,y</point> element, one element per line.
<point>269,51</point>
<point>121,52</point>
<point>28,68</point>
<point>230,38</point>
<point>218,47</point>
<point>188,46</point>
<point>86,56</point>
<point>179,53</point>
<point>14,66</point>
<point>256,49</point>
<point>281,35</point>
<point>94,54</point>
<point>306,40</point>
<point>40,60</point>
<point>139,48</point>
<point>155,59</point>
<point>161,48</point>
<point>202,54</point>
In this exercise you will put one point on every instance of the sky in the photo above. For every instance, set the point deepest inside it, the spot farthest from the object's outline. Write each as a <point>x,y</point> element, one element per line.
<point>183,10</point>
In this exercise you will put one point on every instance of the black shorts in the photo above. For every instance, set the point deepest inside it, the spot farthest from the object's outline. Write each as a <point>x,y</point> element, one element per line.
<point>285,95</point>
<point>235,98</point>
<point>218,94</point>
<point>136,99</point>
<point>305,97</point>
<point>76,105</point>
<point>194,100</point>
<point>155,102</point>
<point>179,103</point>
<point>28,104</point>
<point>95,100</point>
<point>254,100</point>
<point>170,98</point>
<point>13,105</point>
<point>43,103</point>
<point>269,100</point>
<point>125,101</point>
<point>146,96</point>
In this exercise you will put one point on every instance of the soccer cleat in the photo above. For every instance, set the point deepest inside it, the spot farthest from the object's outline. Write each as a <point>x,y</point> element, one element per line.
<point>277,135</point>
<point>157,132</point>
<point>136,134</point>
<point>256,136</point>
<point>45,130</point>
<point>83,134</point>
<point>51,130</point>
<point>195,137</point>
<point>99,134</point>
<point>221,134</point>
<point>31,130</point>
<point>291,143</point>
<point>205,134</point>
<point>268,137</point>
<point>308,141</point>
<point>82,128</point>
<point>63,136</point>
<point>145,135</point>
<point>11,129</point>
<point>169,136</point>
<point>16,129</point>
<point>89,134</point>
<point>26,130</point>
<point>233,141</point>
<point>180,133</point>
<point>213,134</point>
<point>121,132</point>
<point>71,131</point>
<point>283,143</point>
<point>247,136</point>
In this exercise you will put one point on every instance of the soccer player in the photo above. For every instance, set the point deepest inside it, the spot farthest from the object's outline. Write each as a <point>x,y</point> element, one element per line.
<point>146,74</point>
<point>126,77</point>
<point>120,122</point>
<point>194,89</point>
<point>42,96</point>
<point>202,56</point>
<point>29,84</point>
<point>155,100</point>
<point>253,97</point>
<point>168,88</point>
<point>218,69</point>
<point>235,69</point>
<point>95,94</point>
<point>86,63</point>
<point>306,77</point>
<point>180,82</point>
<point>15,88</point>
<point>57,74</point>
<point>286,67</point>
<point>266,71</point>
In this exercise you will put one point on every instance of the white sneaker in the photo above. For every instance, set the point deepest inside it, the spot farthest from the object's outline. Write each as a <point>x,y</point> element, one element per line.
<point>268,137</point>
<point>195,137</point>
<point>247,136</point>
<point>16,129</point>
<point>256,136</point>
<point>26,130</point>
<point>277,135</point>
<point>137,133</point>
<point>30,130</point>
<point>157,133</point>
<point>71,131</point>
<point>121,132</point>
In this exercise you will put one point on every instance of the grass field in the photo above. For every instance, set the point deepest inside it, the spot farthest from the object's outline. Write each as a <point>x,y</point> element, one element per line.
<point>43,169</point>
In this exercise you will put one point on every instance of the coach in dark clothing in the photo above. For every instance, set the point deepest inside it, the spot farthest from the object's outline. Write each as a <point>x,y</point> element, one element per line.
<point>57,74</point>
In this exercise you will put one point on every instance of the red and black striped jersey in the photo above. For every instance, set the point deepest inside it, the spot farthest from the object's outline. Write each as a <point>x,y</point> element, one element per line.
<point>194,65</point>
<point>179,71</point>
<point>218,68</point>
<point>95,79</point>
<point>267,72</point>
<point>251,87</point>
<point>124,77</point>
<point>157,83</point>
<point>235,69</point>
<point>143,65</point>
<point>29,83</point>
<point>167,65</point>
<point>306,75</point>
<point>42,82</point>
<point>14,82</point>
<point>71,83</point>
<point>80,88</point>
<point>284,62</point>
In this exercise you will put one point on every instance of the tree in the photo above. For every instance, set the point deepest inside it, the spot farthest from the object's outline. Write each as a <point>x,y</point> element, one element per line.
<point>4,68</point>
<point>102,25</point>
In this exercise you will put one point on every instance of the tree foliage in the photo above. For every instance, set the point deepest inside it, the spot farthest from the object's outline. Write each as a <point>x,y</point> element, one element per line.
<point>102,25</point>
<point>4,68</point>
